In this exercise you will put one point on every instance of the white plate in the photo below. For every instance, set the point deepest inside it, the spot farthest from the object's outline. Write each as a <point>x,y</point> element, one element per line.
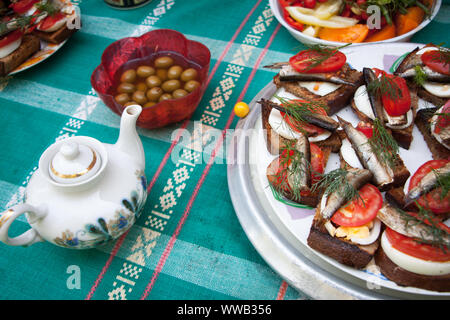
<point>298,35</point>
<point>293,224</point>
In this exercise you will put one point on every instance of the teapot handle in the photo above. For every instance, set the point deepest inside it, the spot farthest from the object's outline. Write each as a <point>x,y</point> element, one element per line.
<point>28,237</point>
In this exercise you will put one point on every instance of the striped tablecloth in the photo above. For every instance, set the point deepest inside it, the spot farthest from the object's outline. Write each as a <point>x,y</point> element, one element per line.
<point>188,243</point>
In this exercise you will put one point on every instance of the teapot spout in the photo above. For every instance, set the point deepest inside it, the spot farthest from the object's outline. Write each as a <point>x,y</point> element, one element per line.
<point>129,141</point>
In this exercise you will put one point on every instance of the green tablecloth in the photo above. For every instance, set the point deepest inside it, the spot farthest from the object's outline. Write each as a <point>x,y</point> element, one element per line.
<point>188,243</point>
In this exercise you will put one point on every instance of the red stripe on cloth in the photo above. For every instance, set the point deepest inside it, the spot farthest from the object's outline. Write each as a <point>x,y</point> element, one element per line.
<point>282,290</point>
<point>174,237</point>
<point>169,151</point>
<point>106,266</point>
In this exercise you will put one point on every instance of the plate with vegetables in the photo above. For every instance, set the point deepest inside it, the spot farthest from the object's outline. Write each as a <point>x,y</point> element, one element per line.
<point>333,22</point>
<point>339,183</point>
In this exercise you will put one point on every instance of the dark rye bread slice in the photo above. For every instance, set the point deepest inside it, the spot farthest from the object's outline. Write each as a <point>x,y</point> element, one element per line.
<point>275,142</point>
<point>438,151</point>
<point>401,172</point>
<point>335,100</point>
<point>339,249</point>
<point>30,45</point>
<point>311,199</point>
<point>406,278</point>
<point>404,136</point>
<point>57,36</point>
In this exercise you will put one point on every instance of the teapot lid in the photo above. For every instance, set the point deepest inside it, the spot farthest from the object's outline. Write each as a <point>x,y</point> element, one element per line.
<point>74,162</point>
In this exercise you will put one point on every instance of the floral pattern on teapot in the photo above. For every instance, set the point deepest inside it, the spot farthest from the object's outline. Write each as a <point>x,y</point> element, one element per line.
<point>104,231</point>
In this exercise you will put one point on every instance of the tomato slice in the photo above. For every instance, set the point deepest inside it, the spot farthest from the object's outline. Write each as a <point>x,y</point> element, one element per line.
<point>10,37</point>
<point>303,60</point>
<point>435,61</point>
<point>22,6</point>
<point>365,128</point>
<point>401,104</point>
<point>357,213</point>
<point>49,21</point>
<point>416,249</point>
<point>301,126</point>
<point>443,120</point>
<point>317,162</point>
<point>432,200</point>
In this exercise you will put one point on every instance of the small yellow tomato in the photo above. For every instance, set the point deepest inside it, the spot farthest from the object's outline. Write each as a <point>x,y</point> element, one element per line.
<point>241,109</point>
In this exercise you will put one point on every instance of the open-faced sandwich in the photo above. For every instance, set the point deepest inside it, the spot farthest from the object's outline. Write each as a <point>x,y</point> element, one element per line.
<point>287,119</point>
<point>387,98</point>
<point>16,45</point>
<point>373,148</point>
<point>415,249</point>
<point>345,226</point>
<point>428,70</point>
<point>319,74</point>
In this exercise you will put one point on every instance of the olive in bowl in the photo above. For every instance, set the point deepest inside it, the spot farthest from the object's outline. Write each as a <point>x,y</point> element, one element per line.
<point>157,57</point>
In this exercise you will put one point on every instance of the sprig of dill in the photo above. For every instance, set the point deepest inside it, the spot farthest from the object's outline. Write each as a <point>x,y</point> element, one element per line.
<point>337,181</point>
<point>383,144</point>
<point>443,181</point>
<point>428,219</point>
<point>420,77</point>
<point>297,111</point>
<point>292,163</point>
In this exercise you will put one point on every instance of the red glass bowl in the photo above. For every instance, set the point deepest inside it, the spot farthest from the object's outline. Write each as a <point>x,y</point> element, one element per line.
<point>134,51</point>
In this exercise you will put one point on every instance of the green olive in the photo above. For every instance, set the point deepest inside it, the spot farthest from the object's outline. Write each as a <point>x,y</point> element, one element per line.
<point>162,74</point>
<point>145,71</point>
<point>149,104</point>
<point>141,86</point>
<point>126,87</point>
<point>154,93</point>
<point>165,96</point>
<point>122,98</point>
<point>171,85</point>
<point>188,74</point>
<point>153,81</point>
<point>174,72</point>
<point>179,93</point>
<point>164,62</point>
<point>139,97</point>
<point>128,76</point>
<point>191,85</point>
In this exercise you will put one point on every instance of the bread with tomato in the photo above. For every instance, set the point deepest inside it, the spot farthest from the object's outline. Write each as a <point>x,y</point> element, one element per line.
<point>344,229</point>
<point>395,108</point>
<point>414,249</point>
<point>15,48</point>
<point>57,27</point>
<point>319,74</point>
<point>427,71</point>
<point>280,128</point>
<point>434,125</point>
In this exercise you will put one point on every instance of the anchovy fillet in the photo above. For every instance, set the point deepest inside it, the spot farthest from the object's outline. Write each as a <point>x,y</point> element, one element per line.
<point>382,174</point>
<point>300,178</point>
<point>320,120</point>
<point>375,101</point>
<point>428,183</point>
<point>431,75</point>
<point>333,201</point>
<point>287,73</point>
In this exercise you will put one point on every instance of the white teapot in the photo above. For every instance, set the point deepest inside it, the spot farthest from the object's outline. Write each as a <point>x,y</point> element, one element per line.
<point>84,192</point>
